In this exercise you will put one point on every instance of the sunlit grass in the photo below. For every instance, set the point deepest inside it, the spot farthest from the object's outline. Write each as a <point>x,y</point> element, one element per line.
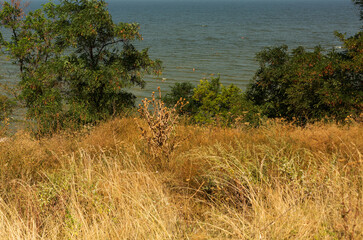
<point>275,182</point>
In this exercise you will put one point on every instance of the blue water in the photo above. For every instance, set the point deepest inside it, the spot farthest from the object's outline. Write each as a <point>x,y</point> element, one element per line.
<point>223,37</point>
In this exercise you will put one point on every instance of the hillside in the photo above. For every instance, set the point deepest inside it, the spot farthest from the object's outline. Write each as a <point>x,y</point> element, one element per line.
<point>277,181</point>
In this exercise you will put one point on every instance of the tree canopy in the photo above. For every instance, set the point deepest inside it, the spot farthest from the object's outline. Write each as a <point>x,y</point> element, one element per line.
<point>306,86</point>
<point>74,61</point>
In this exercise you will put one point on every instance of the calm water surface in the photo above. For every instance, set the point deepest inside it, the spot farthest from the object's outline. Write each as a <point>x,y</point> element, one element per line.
<point>223,37</point>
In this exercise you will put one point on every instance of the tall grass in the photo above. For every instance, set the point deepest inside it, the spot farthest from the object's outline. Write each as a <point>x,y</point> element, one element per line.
<point>275,182</point>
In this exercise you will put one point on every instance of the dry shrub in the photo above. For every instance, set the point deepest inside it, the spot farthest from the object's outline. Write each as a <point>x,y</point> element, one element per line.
<point>160,130</point>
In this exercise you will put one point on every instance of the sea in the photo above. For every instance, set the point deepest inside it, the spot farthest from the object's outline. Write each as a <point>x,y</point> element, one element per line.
<point>201,39</point>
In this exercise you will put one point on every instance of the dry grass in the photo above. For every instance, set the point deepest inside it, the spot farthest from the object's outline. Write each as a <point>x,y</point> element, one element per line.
<point>275,182</point>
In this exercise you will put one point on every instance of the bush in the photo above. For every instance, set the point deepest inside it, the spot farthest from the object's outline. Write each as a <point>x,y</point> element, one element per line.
<point>210,102</point>
<point>182,91</point>
<point>310,86</point>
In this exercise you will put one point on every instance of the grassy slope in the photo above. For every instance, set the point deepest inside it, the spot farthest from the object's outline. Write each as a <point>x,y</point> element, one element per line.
<point>275,182</point>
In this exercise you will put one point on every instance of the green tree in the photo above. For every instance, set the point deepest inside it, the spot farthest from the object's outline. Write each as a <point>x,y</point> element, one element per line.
<point>32,48</point>
<point>75,62</point>
<point>309,86</point>
<point>103,61</point>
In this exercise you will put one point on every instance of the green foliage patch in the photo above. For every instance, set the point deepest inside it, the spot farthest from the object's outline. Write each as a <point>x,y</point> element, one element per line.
<point>310,86</point>
<point>211,102</point>
<point>75,62</point>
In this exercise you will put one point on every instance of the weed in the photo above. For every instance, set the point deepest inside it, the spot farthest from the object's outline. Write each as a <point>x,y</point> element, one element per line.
<point>160,130</point>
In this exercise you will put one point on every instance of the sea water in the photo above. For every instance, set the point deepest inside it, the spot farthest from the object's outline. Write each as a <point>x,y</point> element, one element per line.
<point>197,39</point>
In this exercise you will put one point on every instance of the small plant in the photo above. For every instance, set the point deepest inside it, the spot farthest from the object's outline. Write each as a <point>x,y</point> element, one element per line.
<point>161,122</point>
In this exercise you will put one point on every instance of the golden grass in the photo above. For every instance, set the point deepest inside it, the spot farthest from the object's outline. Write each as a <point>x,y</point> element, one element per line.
<point>275,182</point>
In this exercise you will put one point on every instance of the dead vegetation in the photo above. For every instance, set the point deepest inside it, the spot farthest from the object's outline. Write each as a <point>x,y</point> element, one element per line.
<point>159,131</point>
<point>274,182</point>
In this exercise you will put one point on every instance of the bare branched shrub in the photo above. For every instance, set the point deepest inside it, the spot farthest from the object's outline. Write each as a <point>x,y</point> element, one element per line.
<point>161,121</point>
